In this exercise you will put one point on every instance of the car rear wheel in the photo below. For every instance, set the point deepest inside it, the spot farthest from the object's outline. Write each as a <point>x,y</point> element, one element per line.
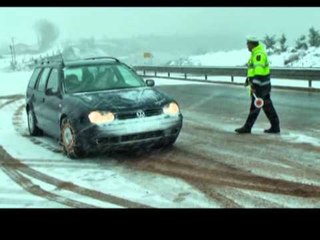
<point>70,144</point>
<point>32,126</point>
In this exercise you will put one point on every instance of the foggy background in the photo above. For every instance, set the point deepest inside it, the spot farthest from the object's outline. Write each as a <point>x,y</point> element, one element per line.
<point>166,32</point>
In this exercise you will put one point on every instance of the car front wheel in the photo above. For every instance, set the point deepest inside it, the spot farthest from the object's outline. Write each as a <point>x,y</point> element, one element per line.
<point>69,141</point>
<point>170,141</point>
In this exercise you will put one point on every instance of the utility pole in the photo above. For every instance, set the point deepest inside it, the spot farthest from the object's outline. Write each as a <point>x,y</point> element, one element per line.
<point>10,46</point>
<point>14,52</point>
<point>13,55</point>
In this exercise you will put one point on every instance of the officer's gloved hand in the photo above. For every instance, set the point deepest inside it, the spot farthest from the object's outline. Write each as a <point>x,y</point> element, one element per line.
<point>246,82</point>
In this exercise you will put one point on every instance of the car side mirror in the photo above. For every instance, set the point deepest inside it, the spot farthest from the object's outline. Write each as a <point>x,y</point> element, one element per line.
<point>150,82</point>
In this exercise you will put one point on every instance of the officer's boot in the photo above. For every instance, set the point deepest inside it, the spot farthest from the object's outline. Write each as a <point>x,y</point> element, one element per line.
<point>273,129</point>
<point>275,126</point>
<point>273,118</point>
<point>244,129</point>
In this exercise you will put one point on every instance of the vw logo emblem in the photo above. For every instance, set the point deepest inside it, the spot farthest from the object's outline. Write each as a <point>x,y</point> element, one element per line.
<point>141,114</point>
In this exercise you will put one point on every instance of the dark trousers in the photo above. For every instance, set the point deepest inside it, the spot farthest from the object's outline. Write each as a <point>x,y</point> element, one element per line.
<point>268,110</point>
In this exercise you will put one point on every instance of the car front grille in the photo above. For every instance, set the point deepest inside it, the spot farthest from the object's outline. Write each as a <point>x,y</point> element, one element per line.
<point>140,136</point>
<point>131,115</point>
<point>130,137</point>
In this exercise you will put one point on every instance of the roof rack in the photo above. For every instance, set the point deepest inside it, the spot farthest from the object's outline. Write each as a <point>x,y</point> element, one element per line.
<point>52,59</point>
<point>94,58</point>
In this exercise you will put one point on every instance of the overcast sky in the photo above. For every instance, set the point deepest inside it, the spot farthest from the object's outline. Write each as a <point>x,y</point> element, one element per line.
<point>124,22</point>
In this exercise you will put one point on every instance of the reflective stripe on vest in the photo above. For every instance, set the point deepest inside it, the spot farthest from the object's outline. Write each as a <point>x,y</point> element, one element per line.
<point>260,65</point>
<point>260,83</point>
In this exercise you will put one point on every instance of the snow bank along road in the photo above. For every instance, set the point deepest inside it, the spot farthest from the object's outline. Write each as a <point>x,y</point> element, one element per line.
<point>209,166</point>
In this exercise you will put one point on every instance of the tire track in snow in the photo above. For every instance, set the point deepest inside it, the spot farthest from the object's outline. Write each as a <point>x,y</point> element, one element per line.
<point>211,173</point>
<point>19,126</point>
<point>15,163</point>
<point>12,98</point>
<point>12,163</point>
<point>265,149</point>
<point>266,157</point>
<point>159,165</point>
<point>15,96</point>
<point>27,184</point>
<point>226,201</point>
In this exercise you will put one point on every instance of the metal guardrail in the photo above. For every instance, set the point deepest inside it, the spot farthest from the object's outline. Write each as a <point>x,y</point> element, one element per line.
<point>304,74</point>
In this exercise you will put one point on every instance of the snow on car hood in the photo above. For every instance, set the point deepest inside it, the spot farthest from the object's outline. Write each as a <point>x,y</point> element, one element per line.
<point>123,99</point>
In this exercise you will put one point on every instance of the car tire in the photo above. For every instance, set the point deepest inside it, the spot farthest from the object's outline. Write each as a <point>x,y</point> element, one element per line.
<point>170,141</point>
<point>32,126</point>
<point>165,143</point>
<point>69,141</point>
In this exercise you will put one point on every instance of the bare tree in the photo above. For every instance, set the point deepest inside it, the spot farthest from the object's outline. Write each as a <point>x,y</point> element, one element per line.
<point>270,41</point>
<point>47,34</point>
<point>282,41</point>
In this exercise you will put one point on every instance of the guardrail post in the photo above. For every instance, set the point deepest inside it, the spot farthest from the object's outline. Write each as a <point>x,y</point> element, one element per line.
<point>144,72</point>
<point>168,74</point>
<point>206,77</point>
<point>310,83</point>
<point>232,79</point>
<point>185,76</point>
<point>155,73</point>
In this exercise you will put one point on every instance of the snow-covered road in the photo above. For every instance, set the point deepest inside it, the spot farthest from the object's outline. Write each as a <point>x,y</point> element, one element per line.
<point>209,166</point>
<point>100,182</point>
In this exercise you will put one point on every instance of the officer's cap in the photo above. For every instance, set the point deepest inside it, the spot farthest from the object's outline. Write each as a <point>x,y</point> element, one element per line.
<point>252,39</point>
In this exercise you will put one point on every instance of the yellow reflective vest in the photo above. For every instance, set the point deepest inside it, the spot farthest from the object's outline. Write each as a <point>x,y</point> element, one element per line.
<point>259,71</point>
<point>258,64</point>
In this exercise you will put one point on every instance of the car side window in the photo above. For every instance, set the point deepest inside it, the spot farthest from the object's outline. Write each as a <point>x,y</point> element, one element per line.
<point>73,71</point>
<point>34,77</point>
<point>43,79</point>
<point>53,82</point>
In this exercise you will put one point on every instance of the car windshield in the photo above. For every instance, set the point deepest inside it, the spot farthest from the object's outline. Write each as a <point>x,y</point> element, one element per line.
<point>99,78</point>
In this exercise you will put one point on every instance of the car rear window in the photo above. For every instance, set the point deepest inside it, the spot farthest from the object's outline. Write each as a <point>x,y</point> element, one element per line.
<point>34,77</point>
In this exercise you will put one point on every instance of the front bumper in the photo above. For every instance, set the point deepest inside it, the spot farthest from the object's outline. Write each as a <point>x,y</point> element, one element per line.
<point>133,131</point>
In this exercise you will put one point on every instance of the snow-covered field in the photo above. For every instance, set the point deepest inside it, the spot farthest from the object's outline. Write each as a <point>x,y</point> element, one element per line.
<point>14,83</point>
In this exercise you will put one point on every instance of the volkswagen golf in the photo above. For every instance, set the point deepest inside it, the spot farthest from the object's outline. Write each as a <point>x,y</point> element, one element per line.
<point>99,104</point>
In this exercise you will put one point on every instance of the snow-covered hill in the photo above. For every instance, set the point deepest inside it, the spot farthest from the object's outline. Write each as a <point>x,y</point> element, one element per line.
<point>302,58</point>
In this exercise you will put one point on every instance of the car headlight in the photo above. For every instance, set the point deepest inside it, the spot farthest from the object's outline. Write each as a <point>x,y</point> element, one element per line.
<point>171,108</point>
<point>97,117</point>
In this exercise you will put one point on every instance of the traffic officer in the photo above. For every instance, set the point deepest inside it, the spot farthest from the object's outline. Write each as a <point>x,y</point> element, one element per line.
<point>258,78</point>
